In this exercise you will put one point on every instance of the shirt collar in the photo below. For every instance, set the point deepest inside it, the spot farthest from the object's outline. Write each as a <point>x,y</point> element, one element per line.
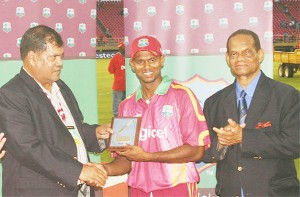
<point>250,88</point>
<point>54,88</point>
<point>161,89</point>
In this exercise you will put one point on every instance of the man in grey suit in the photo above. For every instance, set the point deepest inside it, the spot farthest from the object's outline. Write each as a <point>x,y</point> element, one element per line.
<point>47,140</point>
<point>255,151</point>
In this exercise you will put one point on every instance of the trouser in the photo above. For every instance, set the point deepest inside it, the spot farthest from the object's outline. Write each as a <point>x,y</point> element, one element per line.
<point>118,96</point>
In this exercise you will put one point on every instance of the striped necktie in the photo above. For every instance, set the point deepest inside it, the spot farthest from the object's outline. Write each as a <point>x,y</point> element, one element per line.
<point>242,106</point>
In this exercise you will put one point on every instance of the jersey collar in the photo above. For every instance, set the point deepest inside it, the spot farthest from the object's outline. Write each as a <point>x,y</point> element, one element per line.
<point>161,89</point>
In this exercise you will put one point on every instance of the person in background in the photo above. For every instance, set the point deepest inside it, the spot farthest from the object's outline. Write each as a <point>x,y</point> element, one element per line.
<point>117,68</point>
<point>46,150</point>
<point>2,142</point>
<point>254,126</point>
<point>173,134</point>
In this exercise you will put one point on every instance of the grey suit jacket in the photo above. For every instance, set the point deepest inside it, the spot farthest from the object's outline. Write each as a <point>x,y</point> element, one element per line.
<point>41,153</point>
<point>264,163</point>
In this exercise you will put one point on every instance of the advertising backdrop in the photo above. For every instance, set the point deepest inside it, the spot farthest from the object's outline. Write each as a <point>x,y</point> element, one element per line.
<point>75,20</point>
<point>193,34</point>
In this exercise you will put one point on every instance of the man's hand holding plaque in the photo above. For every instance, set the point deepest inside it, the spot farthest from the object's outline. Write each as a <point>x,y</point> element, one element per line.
<point>126,132</point>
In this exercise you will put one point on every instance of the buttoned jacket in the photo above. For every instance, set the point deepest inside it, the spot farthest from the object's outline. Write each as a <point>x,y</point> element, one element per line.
<point>41,153</point>
<point>263,164</point>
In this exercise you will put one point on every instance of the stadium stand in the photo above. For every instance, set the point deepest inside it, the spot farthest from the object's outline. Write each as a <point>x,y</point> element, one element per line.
<point>110,24</point>
<point>286,24</point>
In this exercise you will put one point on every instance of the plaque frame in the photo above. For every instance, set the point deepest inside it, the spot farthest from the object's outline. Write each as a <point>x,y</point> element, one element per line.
<point>122,126</point>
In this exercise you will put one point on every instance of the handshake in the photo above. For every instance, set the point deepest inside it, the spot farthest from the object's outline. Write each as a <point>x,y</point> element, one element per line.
<point>93,174</point>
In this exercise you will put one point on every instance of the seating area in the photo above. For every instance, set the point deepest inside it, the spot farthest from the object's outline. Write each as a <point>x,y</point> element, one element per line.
<point>293,7</point>
<point>286,20</point>
<point>110,22</point>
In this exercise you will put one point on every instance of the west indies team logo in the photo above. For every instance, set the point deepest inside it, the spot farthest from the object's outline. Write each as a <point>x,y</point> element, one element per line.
<point>82,1</point>
<point>167,111</point>
<point>59,27</point>
<point>71,42</point>
<point>194,24</point>
<point>126,40</point>
<point>33,24</point>
<point>268,36</point>
<point>20,11</point>
<point>19,41</point>
<point>180,39</point>
<point>93,13</point>
<point>203,88</point>
<point>166,51</point>
<point>93,42</point>
<point>137,25</point>
<point>7,55</point>
<point>268,5</point>
<point>179,9</point>
<point>195,51</point>
<point>82,28</point>
<point>82,54</point>
<point>70,13</point>
<point>125,12</point>
<point>209,38</point>
<point>46,12</point>
<point>223,50</point>
<point>238,7</point>
<point>208,8</point>
<point>253,21</point>
<point>223,22</point>
<point>151,11</point>
<point>165,24</point>
<point>143,42</point>
<point>6,27</point>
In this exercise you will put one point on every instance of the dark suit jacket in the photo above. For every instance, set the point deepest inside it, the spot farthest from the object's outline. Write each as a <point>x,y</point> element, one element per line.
<point>41,153</point>
<point>266,155</point>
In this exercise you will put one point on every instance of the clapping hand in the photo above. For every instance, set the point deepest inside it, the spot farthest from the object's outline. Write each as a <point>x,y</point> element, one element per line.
<point>230,134</point>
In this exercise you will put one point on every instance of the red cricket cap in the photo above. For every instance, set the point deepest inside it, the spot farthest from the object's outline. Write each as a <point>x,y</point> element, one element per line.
<point>145,43</point>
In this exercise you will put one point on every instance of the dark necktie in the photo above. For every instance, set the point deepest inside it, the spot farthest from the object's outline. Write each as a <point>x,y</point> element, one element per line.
<point>242,107</point>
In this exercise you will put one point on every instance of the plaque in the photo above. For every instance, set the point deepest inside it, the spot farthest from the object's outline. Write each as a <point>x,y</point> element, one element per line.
<point>126,131</point>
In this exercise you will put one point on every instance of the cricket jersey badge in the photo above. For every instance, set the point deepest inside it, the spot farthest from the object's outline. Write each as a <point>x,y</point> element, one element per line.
<point>167,111</point>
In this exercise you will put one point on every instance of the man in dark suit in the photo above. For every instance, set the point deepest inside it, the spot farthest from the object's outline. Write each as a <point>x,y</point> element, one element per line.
<point>47,140</point>
<point>254,151</point>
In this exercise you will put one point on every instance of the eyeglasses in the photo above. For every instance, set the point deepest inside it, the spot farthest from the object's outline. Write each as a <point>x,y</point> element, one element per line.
<point>248,53</point>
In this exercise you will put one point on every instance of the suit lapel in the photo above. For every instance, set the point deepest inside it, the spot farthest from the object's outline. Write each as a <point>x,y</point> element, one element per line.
<point>39,94</point>
<point>257,106</point>
<point>261,97</point>
<point>70,102</point>
<point>69,99</point>
<point>229,104</point>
